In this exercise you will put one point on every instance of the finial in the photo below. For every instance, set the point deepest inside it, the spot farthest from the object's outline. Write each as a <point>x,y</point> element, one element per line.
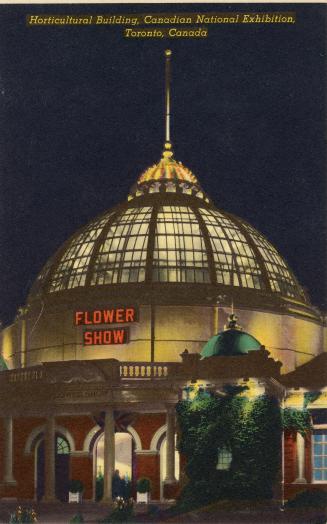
<point>232,323</point>
<point>167,148</point>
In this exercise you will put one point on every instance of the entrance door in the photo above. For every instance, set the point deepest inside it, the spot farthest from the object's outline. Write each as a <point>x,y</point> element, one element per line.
<point>61,469</point>
<point>124,463</point>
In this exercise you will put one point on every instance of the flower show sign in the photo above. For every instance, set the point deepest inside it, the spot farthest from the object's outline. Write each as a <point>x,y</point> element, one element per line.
<point>106,336</point>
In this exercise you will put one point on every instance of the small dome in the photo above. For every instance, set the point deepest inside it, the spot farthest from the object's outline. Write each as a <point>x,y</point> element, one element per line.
<point>231,342</point>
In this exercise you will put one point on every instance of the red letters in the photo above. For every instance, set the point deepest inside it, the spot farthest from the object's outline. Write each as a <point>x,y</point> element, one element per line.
<point>105,316</point>
<point>119,335</point>
<point>88,338</point>
<point>130,314</point>
<point>105,337</point>
<point>108,316</point>
<point>78,317</point>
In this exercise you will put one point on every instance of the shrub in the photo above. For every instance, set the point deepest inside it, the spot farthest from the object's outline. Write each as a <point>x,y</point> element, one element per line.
<point>316,499</point>
<point>123,511</point>
<point>23,515</point>
<point>143,485</point>
<point>153,510</point>
<point>77,519</point>
<point>99,487</point>
<point>75,486</point>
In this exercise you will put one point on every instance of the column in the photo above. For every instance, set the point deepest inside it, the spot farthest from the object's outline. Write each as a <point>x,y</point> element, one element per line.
<point>8,475</point>
<point>300,459</point>
<point>23,342</point>
<point>215,318</point>
<point>109,455</point>
<point>170,458</point>
<point>49,460</point>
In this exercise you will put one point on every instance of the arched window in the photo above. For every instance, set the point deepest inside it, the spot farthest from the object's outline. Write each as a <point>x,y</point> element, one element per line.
<point>224,459</point>
<point>319,455</point>
<point>62,446</point>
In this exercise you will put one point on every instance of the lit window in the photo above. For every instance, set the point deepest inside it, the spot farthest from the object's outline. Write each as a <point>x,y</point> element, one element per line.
<point>72,268</point>
<point>280,278</point>
<point>224,459</point>
<point>319,438</point>
<point>62,446</point>
<point>123,253</point>
<point>179,251</point>
<point>235,261</point>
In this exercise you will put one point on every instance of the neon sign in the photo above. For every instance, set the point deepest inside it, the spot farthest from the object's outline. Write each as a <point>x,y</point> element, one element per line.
<point>107,336</point>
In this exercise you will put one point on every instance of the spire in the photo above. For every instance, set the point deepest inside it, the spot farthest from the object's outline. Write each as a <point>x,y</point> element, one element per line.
<point>167,150</point>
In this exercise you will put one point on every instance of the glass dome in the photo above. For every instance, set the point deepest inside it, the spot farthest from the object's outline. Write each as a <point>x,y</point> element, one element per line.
<point>168,232</point>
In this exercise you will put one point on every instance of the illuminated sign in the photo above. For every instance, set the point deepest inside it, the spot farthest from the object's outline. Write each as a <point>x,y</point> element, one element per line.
<point>107,336</point>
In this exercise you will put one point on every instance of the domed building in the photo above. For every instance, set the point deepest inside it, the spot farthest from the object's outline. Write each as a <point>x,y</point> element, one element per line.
<point>181,262</point>
<point>96,358</point>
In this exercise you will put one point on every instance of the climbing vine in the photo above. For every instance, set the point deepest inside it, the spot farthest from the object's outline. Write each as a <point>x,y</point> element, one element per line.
<point>249,429</point>
<point>297,420</point>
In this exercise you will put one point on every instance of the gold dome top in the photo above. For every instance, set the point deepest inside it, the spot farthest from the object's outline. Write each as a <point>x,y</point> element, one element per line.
<point>168,169</point>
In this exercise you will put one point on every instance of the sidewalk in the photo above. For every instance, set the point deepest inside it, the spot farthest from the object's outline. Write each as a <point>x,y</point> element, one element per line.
<point>93,512</point>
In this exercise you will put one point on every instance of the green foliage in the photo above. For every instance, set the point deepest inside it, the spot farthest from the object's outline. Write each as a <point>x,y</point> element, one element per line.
<point>251,430</point>
<point>310,396</point>
<point>143,485</point>
<point>23,515</point>
<point>126,488</point>
<point>77,519</point>
<point>75,486</point>
<point>314,499</point>
<point>296,420</point>
<point>123,511</point>
<point>99,487</point>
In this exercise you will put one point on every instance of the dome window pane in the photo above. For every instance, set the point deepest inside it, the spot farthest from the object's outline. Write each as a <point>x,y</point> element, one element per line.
<point>69,273</point>
<point>281,278</point>
<point>225,238</point>
<point>124,250</point>
<point>177,249</point>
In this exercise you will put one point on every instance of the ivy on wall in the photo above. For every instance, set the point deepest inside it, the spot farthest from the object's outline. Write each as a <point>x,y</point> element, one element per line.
<point>249,429</point>
<point>297,420</point>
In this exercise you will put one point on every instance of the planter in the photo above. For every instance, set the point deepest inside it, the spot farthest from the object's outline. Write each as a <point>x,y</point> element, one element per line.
<point>75,497</point>
<point>142,498</point>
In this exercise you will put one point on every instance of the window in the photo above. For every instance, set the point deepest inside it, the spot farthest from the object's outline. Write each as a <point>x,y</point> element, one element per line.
<point>62,446</point>
<point>122,255</point>
<point>224,459</point>
<point>235,261</point>
<point>319,442</point>
<point>280,278</point>
<point>179,252</point>
<point>73,266</point>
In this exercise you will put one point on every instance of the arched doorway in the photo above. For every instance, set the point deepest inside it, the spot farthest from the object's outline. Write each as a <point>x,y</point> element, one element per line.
<point>61,468</point>
<point>124,447</point>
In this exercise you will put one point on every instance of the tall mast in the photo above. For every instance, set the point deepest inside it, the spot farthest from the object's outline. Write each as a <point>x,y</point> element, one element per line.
<point>167,103</point>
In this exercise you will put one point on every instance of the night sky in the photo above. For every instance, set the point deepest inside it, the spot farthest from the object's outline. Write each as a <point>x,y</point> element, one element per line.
<point>82,117</point>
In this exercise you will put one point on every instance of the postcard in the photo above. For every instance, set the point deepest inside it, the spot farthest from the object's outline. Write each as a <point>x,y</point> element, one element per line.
<point>163,337</point>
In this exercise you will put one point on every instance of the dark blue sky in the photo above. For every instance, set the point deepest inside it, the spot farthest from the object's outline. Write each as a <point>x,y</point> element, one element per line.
<point>82,113</point>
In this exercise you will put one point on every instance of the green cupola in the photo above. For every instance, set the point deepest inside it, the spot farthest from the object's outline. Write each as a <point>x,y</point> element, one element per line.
<point>231,342</point>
